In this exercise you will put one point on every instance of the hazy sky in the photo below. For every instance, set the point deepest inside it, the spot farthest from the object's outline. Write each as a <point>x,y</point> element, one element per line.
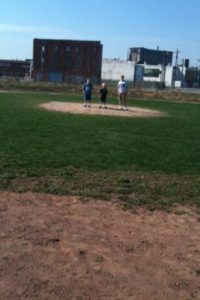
<point>118,24</point>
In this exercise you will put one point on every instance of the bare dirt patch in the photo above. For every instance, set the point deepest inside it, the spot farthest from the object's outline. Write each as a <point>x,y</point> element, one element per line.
<point>61,248</point>
<point>111,110</point>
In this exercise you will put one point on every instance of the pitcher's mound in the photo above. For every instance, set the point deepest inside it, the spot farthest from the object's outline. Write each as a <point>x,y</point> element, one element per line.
<point>94,109</point>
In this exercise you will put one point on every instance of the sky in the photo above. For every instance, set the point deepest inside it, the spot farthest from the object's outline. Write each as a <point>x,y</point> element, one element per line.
<point>118,24</point>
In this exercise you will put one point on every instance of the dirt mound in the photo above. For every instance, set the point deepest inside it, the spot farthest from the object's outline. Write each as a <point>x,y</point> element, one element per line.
<point>111,110</point>
<point>60,248</point>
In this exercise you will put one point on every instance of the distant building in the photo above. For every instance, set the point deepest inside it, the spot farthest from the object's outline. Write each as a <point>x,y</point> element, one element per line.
<point>67,60</point>
<point>149,76</point>
<point>192,78</point>
<point>138,75</point>
<point>17,69</point>
<point>113,69</point>
<point>150,57</point>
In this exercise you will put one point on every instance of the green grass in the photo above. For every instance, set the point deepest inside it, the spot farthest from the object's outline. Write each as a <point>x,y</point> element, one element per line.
<point>152,161</point>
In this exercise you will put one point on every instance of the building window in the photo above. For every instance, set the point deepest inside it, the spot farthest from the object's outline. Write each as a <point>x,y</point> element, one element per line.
<point>151,72</point>
<point>78,62</point>
<point>43,51</point>
<point>94,49</point>
<point>77,49</point>
<point>67,61</point>
<point>68,49</point>
<point>55,56</point>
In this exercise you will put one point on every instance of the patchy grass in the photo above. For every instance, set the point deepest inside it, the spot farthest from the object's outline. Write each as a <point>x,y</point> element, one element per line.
<point>169,95</point>
<point>150,162</point>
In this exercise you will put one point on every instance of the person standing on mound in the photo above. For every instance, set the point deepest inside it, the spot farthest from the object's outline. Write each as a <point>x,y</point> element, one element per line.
<point>122,89</point>
<point>103,94</point>
<point>87,92</point>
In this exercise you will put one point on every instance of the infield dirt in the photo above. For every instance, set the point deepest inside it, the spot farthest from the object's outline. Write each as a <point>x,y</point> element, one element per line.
<point>59,248</point>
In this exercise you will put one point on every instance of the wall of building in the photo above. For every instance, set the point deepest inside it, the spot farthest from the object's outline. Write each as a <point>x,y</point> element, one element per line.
<point>150,56</point>
<point>153,76</point>
<point>192,77</point>
<point>141,75</point>
<point>113,69</point>
<point>168,76</point>
<point>67,60</point>
<point>16,69</point>
<point>156,73</point>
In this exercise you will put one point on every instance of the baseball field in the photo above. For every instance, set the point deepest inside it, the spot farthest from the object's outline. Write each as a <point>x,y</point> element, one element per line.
<point>98,203</point>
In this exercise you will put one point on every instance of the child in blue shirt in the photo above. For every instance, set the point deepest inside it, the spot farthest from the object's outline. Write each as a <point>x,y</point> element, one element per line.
<point>87,92</point>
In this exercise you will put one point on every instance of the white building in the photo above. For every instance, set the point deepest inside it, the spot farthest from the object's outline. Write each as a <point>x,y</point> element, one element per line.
<point>113,69</point>
<point>143,75</point>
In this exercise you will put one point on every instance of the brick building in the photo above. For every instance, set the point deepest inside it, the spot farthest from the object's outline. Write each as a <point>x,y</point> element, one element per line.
<point>16,69</point>
<point>150,56</point>
<point>67,60</point>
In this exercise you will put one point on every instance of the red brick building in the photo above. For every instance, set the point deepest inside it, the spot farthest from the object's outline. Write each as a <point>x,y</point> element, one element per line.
<point>67,60</point>
<point>17,69</point>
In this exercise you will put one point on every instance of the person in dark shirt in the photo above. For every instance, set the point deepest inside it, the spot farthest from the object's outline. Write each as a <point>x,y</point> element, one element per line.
<point>87,93</point>
<point>103,96</point>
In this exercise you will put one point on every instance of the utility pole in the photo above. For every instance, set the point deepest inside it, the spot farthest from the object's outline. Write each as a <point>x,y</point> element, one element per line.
<point>198,73</point>
<point>176,57</point>
<point>175,68</point>
<point>164,61</point>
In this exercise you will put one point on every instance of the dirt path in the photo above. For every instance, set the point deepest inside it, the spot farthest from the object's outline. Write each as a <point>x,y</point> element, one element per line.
<point>58,248</point>
<point>112,110</point>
